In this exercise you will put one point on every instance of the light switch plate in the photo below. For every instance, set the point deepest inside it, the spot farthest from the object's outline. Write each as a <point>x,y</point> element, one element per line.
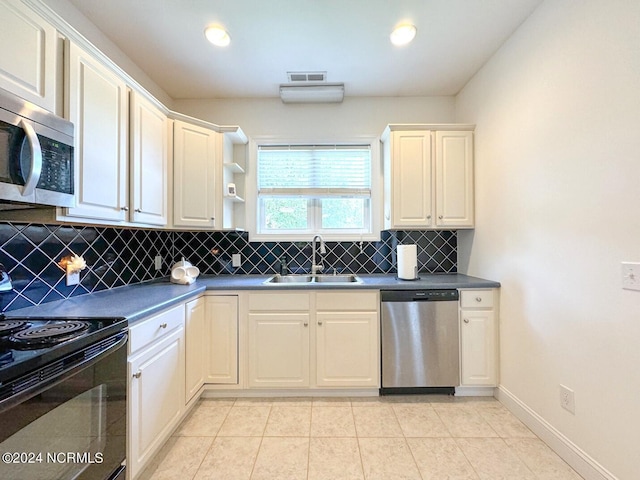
<point>631,275</point>
<point>157,262</point>
<point>236,260</point>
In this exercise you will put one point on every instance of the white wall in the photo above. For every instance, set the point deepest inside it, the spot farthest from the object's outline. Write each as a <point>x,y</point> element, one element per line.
<point>355,116</point>
<point>558,208</point>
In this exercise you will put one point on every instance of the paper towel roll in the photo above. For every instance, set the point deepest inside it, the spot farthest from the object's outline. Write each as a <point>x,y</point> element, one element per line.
<point>407,262</point>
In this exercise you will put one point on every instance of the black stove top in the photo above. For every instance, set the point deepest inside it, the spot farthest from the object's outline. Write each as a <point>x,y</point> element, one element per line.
<point>27,344</point>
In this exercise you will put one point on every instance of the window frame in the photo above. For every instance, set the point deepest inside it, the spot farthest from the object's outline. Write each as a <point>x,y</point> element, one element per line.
<point>253,211</point>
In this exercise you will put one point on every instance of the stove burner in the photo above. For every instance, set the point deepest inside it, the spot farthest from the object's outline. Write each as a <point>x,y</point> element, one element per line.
<point>7,327</point>
<point>50,333</point>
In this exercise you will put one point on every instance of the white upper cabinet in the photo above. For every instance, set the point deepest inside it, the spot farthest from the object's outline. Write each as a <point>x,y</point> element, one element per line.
<point>204,164</point>
<point>195,167</point>
<point>428,176</point>
<point>454,179</point>
<point>411,179</point>
<point>121,144</point>
<point>97,104</point>
<point>29,60</point>
<point>149,162</point>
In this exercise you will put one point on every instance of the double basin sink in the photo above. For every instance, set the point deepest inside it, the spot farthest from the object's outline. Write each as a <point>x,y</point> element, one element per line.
<point>313,279</point>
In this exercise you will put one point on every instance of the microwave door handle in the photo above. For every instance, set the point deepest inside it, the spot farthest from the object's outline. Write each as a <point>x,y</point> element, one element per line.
<point>36,159</point>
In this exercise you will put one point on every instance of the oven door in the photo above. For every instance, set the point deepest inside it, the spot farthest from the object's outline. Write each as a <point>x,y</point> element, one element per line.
<point>72,428</point>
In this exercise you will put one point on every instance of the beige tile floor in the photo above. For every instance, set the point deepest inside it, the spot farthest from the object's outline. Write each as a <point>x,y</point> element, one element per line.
<point>377,438</point>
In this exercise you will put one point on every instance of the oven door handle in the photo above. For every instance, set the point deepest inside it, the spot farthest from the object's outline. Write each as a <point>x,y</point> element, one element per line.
<point>27,393</point>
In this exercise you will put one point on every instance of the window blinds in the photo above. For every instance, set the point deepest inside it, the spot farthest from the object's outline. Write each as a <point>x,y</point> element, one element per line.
<point>314,170</point>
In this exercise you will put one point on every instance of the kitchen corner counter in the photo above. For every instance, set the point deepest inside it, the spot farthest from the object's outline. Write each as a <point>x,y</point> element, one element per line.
<point>135,302</point>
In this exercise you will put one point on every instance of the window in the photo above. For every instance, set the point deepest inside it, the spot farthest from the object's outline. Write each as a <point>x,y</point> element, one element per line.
<point>304,189</point>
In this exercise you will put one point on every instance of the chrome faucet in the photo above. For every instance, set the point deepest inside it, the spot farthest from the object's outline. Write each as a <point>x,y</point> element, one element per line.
<point>315,268</point>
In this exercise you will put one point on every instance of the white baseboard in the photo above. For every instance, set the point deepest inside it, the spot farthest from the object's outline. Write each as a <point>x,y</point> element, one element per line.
<point>577,458</point>
<point>304,392</point>
<point>475,391</point>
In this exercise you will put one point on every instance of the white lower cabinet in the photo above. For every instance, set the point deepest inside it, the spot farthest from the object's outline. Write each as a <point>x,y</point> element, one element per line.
<point>278,349</point>
<point>478,352</point>
<point>313,339</point>
<point>347,346</point>
<point>156,385</point>
<point>221,340</point>
<point>195,346</point>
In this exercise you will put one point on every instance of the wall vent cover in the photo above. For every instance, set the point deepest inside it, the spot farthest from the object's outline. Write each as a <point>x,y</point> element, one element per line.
<point>307,77</point>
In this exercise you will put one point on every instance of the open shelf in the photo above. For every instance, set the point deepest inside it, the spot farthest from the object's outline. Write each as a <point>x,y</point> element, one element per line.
<point>233,167</point>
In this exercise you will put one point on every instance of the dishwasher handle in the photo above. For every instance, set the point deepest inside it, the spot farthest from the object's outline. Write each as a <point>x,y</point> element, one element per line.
<point>439,295</point>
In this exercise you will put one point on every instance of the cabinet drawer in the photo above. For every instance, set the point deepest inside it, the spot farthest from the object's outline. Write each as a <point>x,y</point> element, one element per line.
<point>347,301</point>
<point>154,328</point>
<point>278,302</point>
<point>476,298</point>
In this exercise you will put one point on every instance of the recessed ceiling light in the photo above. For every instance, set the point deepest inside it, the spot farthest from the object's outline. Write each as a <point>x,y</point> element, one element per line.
<point>403,34</point>
<point>217,35</point>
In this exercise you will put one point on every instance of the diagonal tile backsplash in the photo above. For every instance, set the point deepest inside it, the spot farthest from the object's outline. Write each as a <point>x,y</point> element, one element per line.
<point>120,256</point>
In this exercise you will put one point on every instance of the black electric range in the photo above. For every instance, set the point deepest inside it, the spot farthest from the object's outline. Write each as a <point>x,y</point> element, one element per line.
<point>27,344</point>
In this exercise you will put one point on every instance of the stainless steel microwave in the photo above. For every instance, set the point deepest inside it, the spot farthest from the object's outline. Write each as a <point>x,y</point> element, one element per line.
<point>36,155</point>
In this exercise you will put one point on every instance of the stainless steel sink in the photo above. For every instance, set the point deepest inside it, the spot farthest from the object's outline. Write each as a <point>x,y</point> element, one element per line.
<point>278,279</point>
<point>311,279</point>
<point>337,279</point>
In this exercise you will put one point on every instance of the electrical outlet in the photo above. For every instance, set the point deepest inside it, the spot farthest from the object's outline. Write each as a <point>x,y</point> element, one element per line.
<point>73,278</point>
<point>158,262</point>
<point>567,399</point>
<point>631,275</point>
<point>236,260</point>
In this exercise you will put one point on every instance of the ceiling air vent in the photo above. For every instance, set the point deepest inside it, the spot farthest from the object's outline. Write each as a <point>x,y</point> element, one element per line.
<point>307,77</point>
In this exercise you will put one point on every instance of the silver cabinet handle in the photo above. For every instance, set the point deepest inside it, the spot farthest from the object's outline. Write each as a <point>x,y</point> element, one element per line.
<point>163,325</point>
<point>125,209</point>
<point>466,320</point>
<point>36,161</point>
<point>138,374</point>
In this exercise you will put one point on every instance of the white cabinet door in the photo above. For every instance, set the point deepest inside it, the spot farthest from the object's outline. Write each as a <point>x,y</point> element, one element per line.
<point>454,179</point>
<point>347,349</point>
<point>278,350</point>
<point>149,167</point>
<point>478,347</point>
<point>28,64</point>
<point>221,334</point>
<point>97,104</point>
<point>411,179</point>
<point>195,188</point>
<point>156,398</point>
<point>195,350</point>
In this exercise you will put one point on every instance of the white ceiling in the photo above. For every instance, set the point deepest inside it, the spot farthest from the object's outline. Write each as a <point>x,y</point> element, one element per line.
<point>349,39</point>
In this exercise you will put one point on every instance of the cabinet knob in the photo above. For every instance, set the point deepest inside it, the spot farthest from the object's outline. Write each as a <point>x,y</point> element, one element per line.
<point>440,217</point>
<point>319,323</point>
<point>138,374</point>
<point>138,210</point>
<point>466,320</point>
<point>163,325</point>
<point>428,217</point>
<point>306,324</point>
<point>478,299</point>
<point>125,209</point>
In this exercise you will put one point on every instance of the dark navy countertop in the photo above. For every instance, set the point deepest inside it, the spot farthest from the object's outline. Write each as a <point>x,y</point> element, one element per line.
<point>135,302</point>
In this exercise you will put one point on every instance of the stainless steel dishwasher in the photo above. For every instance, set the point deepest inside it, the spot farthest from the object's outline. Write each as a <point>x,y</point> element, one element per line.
<point>420,341</point>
